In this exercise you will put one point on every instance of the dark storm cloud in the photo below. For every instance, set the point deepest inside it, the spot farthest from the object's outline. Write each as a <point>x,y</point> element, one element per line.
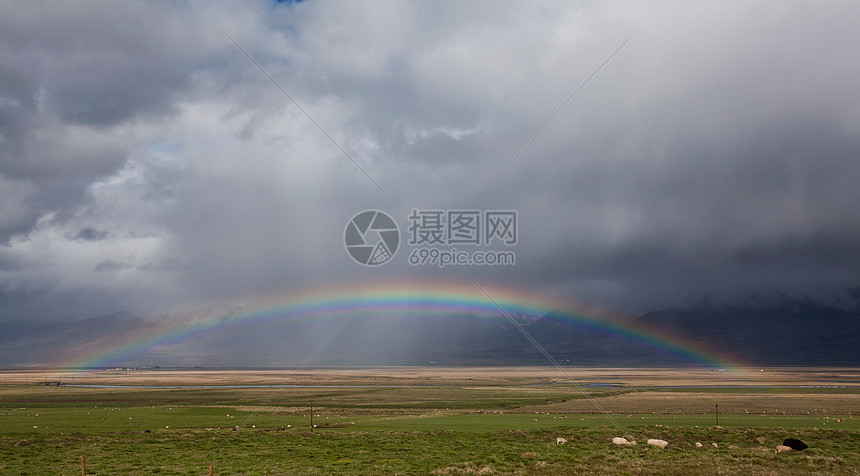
<point>146,162</point>
<point>99,63</point>
<point>722,167</point>
<point>768,209</point>
<point>70,73</point>
<point>91,234</point>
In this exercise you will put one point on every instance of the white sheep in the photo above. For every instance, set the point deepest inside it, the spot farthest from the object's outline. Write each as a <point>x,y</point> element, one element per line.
<point>660,443</point>
<point>622,441</point>
<point>698,445</point>
<point>560,441</point>
<point>781,448</point>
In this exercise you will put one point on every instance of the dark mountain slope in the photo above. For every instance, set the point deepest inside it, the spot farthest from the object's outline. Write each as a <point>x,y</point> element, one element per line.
<point>792,333</point>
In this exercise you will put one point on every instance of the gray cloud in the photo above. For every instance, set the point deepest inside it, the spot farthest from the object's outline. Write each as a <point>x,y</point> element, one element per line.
<point>111,265</point>
<point>91,234</point>
<point>146,161</point>
<point>82,84</point>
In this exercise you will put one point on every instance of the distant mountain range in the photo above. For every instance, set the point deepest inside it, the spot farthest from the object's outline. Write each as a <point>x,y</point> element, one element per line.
<point>35,343</point>
<point>791,333</point>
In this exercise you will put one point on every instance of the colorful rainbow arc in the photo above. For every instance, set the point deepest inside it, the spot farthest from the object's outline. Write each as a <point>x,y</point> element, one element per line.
<point>400,300</point>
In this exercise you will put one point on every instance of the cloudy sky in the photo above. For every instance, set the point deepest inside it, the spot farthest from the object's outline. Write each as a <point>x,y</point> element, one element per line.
<point>146,162</point>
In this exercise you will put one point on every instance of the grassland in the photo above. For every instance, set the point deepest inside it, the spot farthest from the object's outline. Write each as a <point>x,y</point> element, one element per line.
<point>421,421</point>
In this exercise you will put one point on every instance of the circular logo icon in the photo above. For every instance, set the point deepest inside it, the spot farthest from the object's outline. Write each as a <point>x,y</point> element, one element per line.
<point>371,237</point>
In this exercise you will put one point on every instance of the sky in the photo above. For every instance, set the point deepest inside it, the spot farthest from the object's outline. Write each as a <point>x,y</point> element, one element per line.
<point>146,162</point>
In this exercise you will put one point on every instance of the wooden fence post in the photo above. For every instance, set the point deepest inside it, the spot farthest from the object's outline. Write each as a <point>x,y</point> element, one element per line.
<point>83,466</point>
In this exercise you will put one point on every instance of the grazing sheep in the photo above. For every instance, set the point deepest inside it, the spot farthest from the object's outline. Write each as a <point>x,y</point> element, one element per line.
<point>660,443</point>
<point>714,445</point>
<point>622,441</point>
<point>698,445</point>
<point>560,441</point>
<point>781,448</point>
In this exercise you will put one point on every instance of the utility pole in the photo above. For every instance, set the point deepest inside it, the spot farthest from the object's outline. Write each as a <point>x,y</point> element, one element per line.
<point>718,414</point>
<point>312,415</point>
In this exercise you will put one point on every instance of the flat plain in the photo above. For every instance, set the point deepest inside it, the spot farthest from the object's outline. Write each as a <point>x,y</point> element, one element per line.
<point>429,420</point>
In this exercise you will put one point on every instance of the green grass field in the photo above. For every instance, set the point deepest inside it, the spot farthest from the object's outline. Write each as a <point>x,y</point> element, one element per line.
<point>505,429</point>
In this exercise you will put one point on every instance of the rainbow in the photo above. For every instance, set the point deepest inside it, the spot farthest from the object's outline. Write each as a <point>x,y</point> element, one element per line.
<point>402,299</point>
